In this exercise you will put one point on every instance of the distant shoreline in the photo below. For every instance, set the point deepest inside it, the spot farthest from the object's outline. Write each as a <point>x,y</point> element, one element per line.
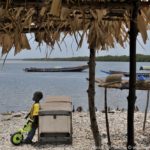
<point>123,58</point>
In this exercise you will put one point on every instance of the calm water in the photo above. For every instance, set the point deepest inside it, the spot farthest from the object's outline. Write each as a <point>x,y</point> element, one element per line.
<point>17,86</point>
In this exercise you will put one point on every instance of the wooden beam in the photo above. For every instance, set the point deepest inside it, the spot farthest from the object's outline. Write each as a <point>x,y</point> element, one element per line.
<point>38,29</point>
<point>76,4</point>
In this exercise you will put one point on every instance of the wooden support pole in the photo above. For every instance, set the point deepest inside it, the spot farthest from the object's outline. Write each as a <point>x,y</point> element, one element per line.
<point>107,122</point>
<point>91,99</point>
<point>145,116</point>
<point>132,79</point>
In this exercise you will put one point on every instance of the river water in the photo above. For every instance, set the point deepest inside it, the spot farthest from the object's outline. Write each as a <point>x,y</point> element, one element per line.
<point>17,86</point>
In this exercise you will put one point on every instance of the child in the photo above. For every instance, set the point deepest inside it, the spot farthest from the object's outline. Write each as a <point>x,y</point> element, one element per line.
<point>33,114</point>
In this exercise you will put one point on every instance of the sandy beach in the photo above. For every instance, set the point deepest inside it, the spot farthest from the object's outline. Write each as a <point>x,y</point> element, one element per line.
<point>82,136</point>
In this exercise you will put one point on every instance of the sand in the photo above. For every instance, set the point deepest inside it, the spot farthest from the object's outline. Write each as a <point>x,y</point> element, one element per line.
<point>82,135</point>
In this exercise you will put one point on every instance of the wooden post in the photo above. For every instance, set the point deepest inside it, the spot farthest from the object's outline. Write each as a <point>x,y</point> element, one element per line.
<point>107,122</point>
<point>145,116</point>
<point>91,99</point>
<point>132,80</point>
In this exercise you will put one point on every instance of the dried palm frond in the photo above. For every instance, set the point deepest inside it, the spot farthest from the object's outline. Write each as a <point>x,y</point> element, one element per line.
<point>56,7</point>
<point>28,18</point>
<point>146,12</point>
<point>120,41</point>
<point>126,36</point>
<point>39,37</point>
<point>56,36</point>
<point>148,16</point>
<point>65,13</point>
<point>43,11</point>
<point>7,43</point>
<point>18,12</point>
<point>94,14</point>
<point>1,39</point>
<point>24,42</point>
<point>100,14</point>
<point>142,27</point>
<point>110,41</point>
<point>86,26</point>
<point>2,12</point>
<point>17,43</point>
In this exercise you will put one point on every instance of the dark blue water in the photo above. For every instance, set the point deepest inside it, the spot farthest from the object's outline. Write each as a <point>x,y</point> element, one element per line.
<point>17,86</point>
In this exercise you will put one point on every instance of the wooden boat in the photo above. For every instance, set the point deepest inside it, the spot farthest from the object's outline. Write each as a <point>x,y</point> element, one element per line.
<point>126,74</point>
<point>57,69</point>
<point>115,72</point>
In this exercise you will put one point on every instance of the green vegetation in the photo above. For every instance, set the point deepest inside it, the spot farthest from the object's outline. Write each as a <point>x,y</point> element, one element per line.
<point>124,58</point>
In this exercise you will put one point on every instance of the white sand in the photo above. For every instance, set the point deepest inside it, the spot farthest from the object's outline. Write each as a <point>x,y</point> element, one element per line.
<point>82,136</point>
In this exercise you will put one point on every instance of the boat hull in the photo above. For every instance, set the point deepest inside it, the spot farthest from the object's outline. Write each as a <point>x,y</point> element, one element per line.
<point>126,74</point>
<point>65,69</point>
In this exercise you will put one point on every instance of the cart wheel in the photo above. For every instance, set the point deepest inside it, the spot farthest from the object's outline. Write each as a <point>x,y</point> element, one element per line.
<point>16,138</point>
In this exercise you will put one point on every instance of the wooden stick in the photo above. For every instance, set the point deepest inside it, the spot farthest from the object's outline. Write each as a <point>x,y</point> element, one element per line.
<point>146,110</point>
<point>107,122</point>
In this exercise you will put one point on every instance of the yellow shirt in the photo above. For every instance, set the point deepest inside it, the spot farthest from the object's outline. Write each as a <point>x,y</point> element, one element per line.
<point>34,110</point>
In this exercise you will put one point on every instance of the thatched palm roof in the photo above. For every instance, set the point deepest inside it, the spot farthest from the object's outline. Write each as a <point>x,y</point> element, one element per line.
<point>104,23</point>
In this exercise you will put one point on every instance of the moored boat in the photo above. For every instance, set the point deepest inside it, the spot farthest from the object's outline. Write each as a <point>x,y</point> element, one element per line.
<point>57,69</point>
<point>126,74</point>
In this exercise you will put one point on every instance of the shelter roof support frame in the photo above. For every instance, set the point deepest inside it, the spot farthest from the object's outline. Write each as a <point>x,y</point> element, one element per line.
<point>132,80</point>
<point>91,99</point>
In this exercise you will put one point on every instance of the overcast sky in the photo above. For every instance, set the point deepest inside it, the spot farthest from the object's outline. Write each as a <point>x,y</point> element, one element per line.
<point>69,49</point>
